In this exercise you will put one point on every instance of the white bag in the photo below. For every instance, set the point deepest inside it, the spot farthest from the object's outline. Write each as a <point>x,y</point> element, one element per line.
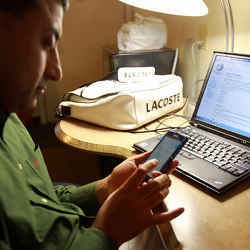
<point>124,106</point>
<point>146,33</point>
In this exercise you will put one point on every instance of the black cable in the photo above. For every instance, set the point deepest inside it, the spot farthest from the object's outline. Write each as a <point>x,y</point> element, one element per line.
<point>155,130</point>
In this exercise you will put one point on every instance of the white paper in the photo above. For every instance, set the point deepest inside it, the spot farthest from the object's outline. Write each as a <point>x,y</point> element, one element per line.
<point>150,239</point>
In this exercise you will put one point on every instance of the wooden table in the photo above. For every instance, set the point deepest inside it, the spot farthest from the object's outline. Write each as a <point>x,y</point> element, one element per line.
<point>208,223</point>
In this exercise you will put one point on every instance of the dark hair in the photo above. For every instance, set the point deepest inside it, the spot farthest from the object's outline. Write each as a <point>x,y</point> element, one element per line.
<point>19,6</point>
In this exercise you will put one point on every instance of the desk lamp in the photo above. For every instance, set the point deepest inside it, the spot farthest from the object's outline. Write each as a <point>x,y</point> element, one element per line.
<point>174,7</point>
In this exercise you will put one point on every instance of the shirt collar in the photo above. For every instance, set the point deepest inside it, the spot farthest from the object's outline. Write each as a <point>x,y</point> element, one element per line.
<point>3,118</point>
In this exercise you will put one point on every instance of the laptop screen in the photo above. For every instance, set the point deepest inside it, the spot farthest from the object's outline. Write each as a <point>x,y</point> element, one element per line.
<point>225,98</point>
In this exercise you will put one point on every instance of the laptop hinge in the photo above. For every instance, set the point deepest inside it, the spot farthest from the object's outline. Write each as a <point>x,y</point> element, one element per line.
<point>193,124</point>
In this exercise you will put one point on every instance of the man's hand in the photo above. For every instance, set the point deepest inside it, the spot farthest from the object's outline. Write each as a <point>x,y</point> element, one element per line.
<point>162,206</point>
<point>127,211</point>
<point>119,174</point>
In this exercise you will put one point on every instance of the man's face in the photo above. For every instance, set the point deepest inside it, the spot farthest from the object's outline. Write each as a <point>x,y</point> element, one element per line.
<point>29,56</point>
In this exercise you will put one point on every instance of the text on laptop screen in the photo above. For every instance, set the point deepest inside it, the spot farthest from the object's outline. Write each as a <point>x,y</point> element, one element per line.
<point>226,98</point>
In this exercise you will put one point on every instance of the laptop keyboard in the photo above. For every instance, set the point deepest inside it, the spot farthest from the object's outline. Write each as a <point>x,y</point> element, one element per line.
<point>223,155</point>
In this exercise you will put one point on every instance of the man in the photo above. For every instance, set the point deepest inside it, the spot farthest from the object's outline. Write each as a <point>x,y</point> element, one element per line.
<point>34,214</point>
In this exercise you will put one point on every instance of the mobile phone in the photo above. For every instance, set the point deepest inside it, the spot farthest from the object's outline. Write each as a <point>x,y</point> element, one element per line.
<point>166,150</point>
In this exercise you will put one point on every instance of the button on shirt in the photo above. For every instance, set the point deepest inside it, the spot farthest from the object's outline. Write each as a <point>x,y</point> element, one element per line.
<point>33,213</point>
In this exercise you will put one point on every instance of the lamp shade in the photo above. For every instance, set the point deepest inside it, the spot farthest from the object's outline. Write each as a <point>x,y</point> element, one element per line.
<point>174,7</point>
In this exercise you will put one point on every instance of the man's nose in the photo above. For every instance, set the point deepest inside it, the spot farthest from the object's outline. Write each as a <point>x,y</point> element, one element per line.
<point>54,69</point>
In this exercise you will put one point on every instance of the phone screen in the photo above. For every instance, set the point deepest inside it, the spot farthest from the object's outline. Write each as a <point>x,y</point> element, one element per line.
<point>166,150</point>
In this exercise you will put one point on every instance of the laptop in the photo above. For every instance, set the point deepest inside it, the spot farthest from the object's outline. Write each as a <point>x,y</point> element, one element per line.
<point>217,155</point>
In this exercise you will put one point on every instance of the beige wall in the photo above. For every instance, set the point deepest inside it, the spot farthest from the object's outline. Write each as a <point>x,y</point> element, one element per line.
<point>91,25</point>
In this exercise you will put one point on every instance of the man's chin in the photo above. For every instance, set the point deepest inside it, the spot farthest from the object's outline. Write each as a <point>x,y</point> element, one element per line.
<point>34,104</point>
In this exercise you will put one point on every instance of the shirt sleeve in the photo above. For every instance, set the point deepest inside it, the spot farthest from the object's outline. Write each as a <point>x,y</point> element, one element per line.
<point>93,238</point>
<point>83,196</point>
<point>4,246</point>
<point>86,197</point>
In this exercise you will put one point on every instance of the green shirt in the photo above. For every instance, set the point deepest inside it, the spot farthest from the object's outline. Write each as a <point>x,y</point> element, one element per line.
<point>33,213</point>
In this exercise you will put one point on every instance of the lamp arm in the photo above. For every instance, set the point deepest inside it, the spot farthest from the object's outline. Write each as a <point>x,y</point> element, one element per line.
<point>226,5</point>
<point>231,23</point>
<point>226,22</point>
